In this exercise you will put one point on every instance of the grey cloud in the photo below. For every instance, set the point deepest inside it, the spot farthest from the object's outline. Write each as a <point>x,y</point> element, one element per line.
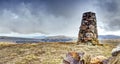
<point>43,16</point>
<point>24,21</point>
<point>109,10</point>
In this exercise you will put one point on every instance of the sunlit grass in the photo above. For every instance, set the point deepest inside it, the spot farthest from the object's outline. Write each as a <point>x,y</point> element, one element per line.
<point>46,53</point>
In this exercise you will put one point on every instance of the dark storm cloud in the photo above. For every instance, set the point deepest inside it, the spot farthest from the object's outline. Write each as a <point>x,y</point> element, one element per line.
<point>37,16</point>
<point>62,7</point>
<point>43,16</point>
<point>110,10</point>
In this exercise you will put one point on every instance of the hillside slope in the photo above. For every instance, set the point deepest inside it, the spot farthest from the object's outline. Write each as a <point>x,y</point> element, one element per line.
<point>45,53</point>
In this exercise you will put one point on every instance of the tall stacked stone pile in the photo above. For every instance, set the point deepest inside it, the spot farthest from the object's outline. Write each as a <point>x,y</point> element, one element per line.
<point>88,29</point>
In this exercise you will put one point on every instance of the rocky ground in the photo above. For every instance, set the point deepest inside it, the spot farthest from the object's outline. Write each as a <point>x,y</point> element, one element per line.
<point>46,53</point>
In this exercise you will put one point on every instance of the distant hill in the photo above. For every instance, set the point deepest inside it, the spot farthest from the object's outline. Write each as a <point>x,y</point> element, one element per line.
<point>36,40</point>
<point>109,37</point>
<point>18,39</point>
<point>58,38</point>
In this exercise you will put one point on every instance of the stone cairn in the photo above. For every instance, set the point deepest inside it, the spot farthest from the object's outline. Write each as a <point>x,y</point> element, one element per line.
<point>88,29</point>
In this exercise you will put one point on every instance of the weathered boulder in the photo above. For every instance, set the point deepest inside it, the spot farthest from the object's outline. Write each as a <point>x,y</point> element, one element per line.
<point>73,58</point>
<point>115,59</point>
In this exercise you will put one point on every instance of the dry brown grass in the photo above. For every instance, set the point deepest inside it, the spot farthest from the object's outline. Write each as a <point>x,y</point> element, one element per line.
<point>46,53</point>
<point>111,41</point>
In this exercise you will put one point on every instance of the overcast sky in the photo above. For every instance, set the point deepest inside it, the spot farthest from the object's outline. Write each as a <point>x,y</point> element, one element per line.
<point>57,17</point>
